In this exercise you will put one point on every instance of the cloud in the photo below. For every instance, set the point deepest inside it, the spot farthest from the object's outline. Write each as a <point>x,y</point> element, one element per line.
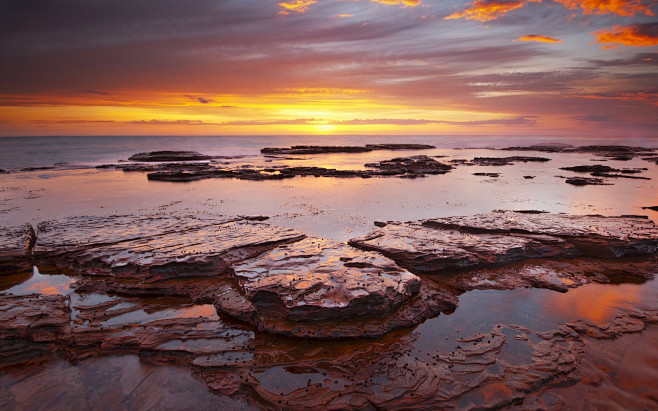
<point>487,10</point>
<point>101,93</point>
<point>201,100</point>
<point>535,37</point>
<point>638,35</point>
<point>649,96</point>
<point>405,3</point>
<point>299,6</point>
<point>172,122</point>
<point>597,118</point>
<point>516,121</point>
<point>619,7</point>
<point>639,59</point>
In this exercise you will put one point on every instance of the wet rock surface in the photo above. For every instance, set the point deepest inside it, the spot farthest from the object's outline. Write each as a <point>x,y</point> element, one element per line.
<point>317,279</point>
<point>318,288</point>
<point>411,166</point>
<point>169,156</point>
<point>612,152</point>
<point>585,181</point>
<point>435,245</point>
<point>240,289</point>
<point>405,167</point>
<point>154,248</point>
<point>15,246</point>
<point>342,149</point>
<point>505,161</point>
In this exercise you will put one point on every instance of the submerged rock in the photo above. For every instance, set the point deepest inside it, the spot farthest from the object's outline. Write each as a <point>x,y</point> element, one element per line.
<point>436,245</point>
<point>169,156</point>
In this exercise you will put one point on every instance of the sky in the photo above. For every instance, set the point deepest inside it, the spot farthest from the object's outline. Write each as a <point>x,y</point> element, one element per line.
<point>402,67</point>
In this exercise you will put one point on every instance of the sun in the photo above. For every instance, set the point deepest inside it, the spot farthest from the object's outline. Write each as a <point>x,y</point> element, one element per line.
<point>324,128</point>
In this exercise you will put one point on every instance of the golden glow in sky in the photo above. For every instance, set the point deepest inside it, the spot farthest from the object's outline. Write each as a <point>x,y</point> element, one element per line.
<point>329,67</point>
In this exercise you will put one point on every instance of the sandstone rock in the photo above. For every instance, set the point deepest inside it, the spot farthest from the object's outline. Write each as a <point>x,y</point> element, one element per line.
<point>415,165</point>
<point>152,248</point>
<point>434,245</point>
<point>317,279</point>
<point>169,156</point>
<point>324,289</point>
<point>15,248</point>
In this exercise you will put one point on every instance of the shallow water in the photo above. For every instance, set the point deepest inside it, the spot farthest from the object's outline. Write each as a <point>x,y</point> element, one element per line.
<point>337,209</point>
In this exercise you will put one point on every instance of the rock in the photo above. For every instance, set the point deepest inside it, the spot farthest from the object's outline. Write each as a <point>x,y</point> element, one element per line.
<point>153,248</point>
<point>415,165</point>
<point>317,288</point>
<point>437,245</point>
<point>609,175</point>
<point>316,279</point>
<point>409,167</point>
<point>585,181</point>
<point>38,168</point>
<point>254,217</point>
<point>169,156</point>
<point>504,161</point>
<point>16,245</point>
<point>612,152</point>
<point>596,168</point>
<point>494,175</point>
<point>342,149</point>
<point>400,146</point>
<point>528,177</point>
<point>654,208</point>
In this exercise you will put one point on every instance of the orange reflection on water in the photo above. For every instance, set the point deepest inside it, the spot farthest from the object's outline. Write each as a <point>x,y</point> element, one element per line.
<point>200,310</point>
<point>46,288</point>
<point>594,302</point>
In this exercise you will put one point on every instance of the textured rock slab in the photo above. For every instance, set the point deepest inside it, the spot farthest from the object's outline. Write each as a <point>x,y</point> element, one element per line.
<point>501,237</point>
<point>15,246</point>
<point>317,279</point>
<point>169,156</point>
<point>320,288</point>
<point>412,166</point>
<point>155,247</point>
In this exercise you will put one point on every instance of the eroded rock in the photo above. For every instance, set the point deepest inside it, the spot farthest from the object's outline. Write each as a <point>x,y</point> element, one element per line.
<point>155,248</point>
<point>16,245</point>
<point>324,289</point>
<point>435,245</point>
<point>165,155</point>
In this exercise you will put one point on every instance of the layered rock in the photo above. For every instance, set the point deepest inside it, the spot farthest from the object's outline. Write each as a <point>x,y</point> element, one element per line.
<point>415,166</point>
<point>435,245</point>
<point>164,155</point>
<point>155,248</point>
<point>322,288</point>
<point>15,248</point>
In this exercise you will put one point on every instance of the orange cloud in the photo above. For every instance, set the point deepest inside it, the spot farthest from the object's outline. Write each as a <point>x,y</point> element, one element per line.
<point>487,10</point>
<point>619,7</point>
<point>299,6</point>
<point>543,39</point>
<point>638,35</point>
<point>405,3</point>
